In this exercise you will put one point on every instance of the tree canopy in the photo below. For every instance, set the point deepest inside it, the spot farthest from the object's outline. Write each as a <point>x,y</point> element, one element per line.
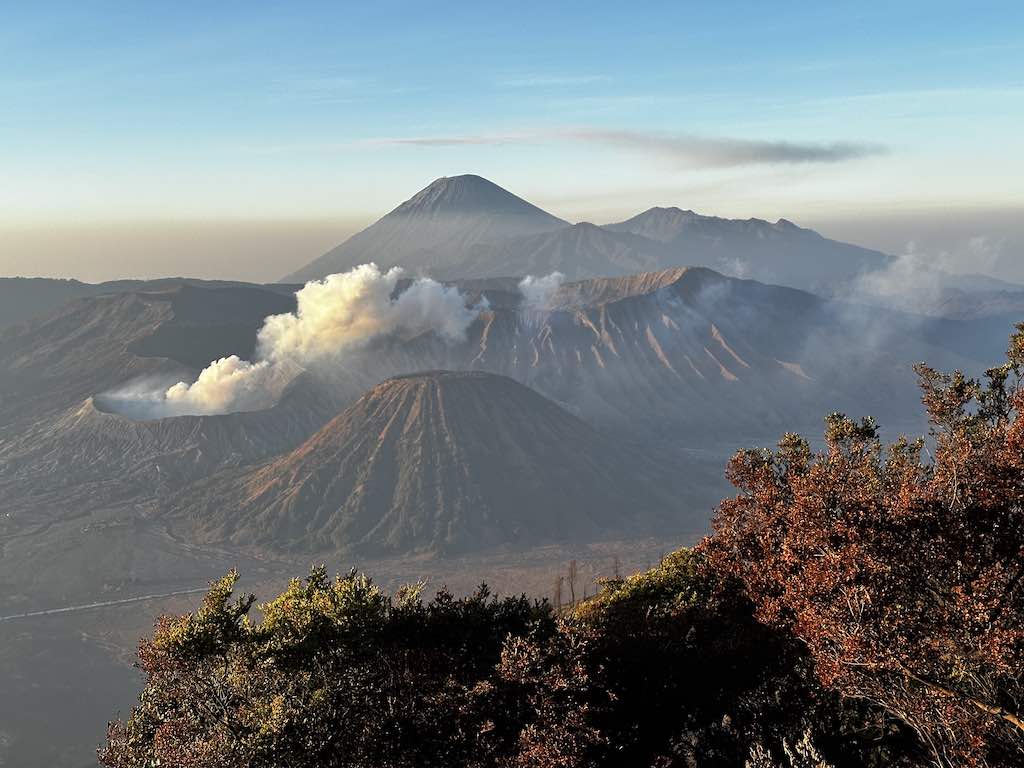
<point>900,573</point>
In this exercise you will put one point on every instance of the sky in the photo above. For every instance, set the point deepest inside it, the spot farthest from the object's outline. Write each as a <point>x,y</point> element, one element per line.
<point>241,140</point>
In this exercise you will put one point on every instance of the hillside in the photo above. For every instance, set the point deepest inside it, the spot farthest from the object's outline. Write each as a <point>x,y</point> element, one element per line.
<point>22,298</point>
<point>32,298</point>
<point>440,462</point>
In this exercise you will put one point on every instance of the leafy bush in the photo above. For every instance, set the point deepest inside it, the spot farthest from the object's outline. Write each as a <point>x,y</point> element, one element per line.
<point>336,674</point>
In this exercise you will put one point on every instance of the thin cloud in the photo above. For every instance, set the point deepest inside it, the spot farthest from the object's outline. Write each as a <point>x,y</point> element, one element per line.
<point>684,150</point>
<point>456,141</point>
<point>552,81</point>
<point>716,152</point>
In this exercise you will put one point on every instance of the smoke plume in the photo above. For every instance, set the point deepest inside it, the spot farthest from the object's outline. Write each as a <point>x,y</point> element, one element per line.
<point>228,384</point>
<point>539,291</point>
<point>333,317</point>
<point>930,282</point>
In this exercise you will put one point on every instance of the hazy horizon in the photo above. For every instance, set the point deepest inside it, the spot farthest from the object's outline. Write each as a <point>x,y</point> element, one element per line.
<point>147,141</point>
<point>982,241</point>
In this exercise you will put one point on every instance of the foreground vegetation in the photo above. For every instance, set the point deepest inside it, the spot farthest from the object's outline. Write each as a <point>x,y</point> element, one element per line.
<point>860,606</point>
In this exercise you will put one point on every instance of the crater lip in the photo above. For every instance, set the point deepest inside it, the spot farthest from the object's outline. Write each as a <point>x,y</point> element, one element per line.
<point>142,410</point>
<point>140,400</point>
<point>128,409</point>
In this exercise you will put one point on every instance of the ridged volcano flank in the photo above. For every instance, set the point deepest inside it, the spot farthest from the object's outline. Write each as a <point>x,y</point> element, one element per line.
<point>605,290</point>
<point>438,462</point>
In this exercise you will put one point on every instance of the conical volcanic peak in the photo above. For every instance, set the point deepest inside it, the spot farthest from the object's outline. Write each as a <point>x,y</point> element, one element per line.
<point>436,229</point>
<point>439,462</point>
<point>470,194</point>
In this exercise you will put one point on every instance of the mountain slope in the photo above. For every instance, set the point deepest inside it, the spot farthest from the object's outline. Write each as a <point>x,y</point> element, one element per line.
<point>439,462</point>
<point>64,453</point>
<point>22,298</point>
<point>31,298</point>
<point>660,224</point>
<point>435,229</point>
<point>89,459</point>
<point>577,251</point>
<point>95,344</point>
<point>781,252</point>
<point>686,361</point>
<point>465,227</point>
<point>685,353</point>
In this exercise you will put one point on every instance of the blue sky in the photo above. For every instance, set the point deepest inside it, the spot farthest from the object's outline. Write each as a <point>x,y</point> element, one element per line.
<point>121,113</point>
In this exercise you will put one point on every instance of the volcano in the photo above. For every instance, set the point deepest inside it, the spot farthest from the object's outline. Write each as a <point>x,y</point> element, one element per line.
<point>435,229</point>
<point>439,462</point>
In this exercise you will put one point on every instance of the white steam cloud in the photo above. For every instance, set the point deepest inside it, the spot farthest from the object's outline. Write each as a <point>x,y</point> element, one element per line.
<point>348,310</point>
<point>925,282</point>
<point>333,317</point>
<point>228,384</point>
<point>538,292</point>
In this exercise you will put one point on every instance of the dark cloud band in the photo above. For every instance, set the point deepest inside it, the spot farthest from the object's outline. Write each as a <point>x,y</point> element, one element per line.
<point>684,150</point>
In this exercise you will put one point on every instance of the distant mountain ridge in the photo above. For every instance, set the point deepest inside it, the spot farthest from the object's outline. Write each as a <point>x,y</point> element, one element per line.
<point>464,227</point>
<point>781,252</point>
<point>660,224</point>
<point>27,298</point>
<point>667,224</point>
<point>22,298</point>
